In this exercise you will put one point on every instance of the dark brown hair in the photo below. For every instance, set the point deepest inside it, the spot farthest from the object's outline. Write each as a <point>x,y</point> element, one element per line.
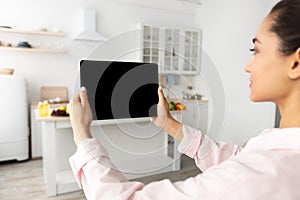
<point>286,24</point>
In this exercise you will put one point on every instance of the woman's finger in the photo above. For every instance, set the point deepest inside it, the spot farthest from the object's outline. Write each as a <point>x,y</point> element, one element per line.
<point>161,96</point>
<point>75,99</point>
<point>83,96</point>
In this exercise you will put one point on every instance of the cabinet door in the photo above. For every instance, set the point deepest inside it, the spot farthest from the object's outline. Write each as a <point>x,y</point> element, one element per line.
<point>171,50</point>
<point>196,115</point>
<point>151,41</point>
<point>175,50</point>
<point>36,136</point>
<point>192,51</point>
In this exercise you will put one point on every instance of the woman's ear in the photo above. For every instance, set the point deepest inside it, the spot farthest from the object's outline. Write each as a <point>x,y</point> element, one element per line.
<point>294,70</point>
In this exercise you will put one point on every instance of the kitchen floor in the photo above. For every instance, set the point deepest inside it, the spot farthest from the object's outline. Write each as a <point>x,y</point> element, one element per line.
<point>24,180</point>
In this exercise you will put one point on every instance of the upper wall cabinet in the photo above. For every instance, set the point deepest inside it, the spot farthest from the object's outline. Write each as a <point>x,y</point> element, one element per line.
<point>31,48</point>
<point>175,50</point>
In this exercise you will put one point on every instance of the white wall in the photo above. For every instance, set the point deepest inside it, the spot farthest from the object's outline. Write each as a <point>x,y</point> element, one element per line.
<point>113,17</point>
<point>228,28</point>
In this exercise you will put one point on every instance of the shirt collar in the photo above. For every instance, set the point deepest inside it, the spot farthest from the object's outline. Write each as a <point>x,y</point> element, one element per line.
<point>275,139</point>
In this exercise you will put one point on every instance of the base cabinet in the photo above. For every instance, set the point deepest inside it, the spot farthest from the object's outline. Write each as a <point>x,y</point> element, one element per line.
<point>136,147</point>
<point>35,134</point>
<point>196,114</point>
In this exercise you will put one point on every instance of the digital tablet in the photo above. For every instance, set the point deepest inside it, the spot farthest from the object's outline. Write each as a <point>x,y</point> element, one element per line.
<point>118,90</point>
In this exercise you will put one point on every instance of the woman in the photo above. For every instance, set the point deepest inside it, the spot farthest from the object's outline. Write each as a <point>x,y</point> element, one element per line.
<point>266,168</point>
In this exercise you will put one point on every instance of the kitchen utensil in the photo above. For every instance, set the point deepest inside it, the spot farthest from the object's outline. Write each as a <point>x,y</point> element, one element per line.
<point>5,27</point>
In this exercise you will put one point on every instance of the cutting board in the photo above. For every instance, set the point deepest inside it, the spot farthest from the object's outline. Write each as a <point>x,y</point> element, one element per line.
<point>50,92</point>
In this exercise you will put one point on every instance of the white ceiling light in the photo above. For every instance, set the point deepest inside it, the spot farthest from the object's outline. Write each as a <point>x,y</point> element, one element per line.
<point>89,32</point>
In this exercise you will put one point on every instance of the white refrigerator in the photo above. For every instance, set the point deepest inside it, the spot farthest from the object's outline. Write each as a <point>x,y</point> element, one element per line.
<point>14,129</point>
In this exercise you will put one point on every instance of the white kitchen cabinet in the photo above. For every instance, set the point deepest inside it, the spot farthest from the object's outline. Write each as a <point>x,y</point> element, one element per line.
<point>175,50</point>
<point>136,147</point>
<point>36,131</point>
<point>36,134</point>
<point>196,114</point>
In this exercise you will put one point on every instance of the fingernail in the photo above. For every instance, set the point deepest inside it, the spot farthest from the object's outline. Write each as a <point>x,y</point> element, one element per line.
<point>82,88</point>
<point>160,87</point>
<point>151,119</point>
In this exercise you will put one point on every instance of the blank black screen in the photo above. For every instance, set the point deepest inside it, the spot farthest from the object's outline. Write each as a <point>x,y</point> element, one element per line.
<point>119,90</point>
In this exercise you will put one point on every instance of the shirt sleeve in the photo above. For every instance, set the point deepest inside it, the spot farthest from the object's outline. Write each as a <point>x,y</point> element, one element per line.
<point>205,151</point>
<point>98,177</point>
<point>233,179</point>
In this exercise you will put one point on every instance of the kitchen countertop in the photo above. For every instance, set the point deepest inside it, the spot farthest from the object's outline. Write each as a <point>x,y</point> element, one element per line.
<point>55,105</point>
<point>57,118</point>
<point>51,118</point>
<point>187,100</point>
<point>60,118</point>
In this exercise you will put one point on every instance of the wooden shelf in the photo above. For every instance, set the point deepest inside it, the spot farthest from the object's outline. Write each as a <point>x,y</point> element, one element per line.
<point>32,32</point>
<point>37,50</point>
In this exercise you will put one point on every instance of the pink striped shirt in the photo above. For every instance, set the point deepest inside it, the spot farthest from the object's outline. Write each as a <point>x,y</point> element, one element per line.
<point>266,168</point>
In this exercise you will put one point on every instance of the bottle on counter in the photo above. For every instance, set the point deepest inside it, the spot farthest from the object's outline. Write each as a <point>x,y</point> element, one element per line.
<point>40,108</point>
<point>46,108</point>
<point>43,109</point>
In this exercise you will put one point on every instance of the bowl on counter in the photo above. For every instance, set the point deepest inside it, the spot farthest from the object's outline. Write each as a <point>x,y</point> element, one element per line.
<point>7,71</point>
<point>24,44</point>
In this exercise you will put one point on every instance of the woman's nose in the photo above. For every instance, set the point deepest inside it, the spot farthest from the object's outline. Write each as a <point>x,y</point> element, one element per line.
<point>247,68</point>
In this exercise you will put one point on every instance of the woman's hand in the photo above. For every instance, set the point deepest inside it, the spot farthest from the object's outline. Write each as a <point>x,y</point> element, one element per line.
<point>164,118</point>
<point>80,116</point>
<point>163,113</point>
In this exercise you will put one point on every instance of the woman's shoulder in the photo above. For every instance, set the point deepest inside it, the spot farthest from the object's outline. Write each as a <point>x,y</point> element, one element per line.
<point>275,138</point>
